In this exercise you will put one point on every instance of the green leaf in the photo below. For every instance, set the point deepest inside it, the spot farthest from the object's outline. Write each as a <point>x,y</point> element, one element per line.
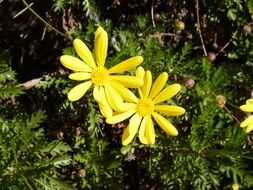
<point>125,149</point>
<point>61,161</point>
<point>232,14</point>
<point>9,90</point>
<point>250,6</point>
<point>55,147</point>
<point>59,5</point>
<point>36,119</point>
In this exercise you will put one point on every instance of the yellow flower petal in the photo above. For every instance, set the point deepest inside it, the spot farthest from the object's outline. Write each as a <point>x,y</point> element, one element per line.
<point>124,92</point>
<point>140,93</point>
<point>167,93</point>
<point>140,72</point>
<point>126,65</point>
<point>99,96</point>
<point>249,128</point>
<point>80,76</point>
<point>142,132</point>
<point>165,124</point>
<point>105,110</point>
<point>247,121</point>
<point>249,102</point>
<point>145,89</point>
<point>101,45</point>
<point>83,51</point>
<point>134,123</point>
<point>74,63</point>
<point>120,117</point>
<point>127,137</point>
<point>131,129</point>
<point>158,84</point>
<point>127,81</point>
<point>99,31</point>
<point>96,94</point>
<point>247,108</point>
<point>150,132</point>
<point>114,99</point>
<point>78,91</point>
<point>170,110</point>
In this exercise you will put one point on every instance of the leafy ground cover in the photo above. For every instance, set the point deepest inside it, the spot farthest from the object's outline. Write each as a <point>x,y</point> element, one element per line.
<point>50,142</point>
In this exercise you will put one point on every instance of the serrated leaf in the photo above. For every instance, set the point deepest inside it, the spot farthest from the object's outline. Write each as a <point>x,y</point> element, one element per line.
<point>36,119</point>
<point>59,5</point>
<point>232,14</point>
<point>56,147</point>
<point>61,161</point>
<point>7,91</point>
<point>49,183</point>
<point>6,75</point>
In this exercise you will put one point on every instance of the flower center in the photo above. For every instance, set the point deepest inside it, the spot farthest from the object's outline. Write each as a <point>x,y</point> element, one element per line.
<point>145,107</point>
<point>99,76</point>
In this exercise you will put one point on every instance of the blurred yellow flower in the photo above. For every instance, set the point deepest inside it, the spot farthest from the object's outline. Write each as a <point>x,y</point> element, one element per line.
<point>235,186</point>
<point>108,88</point>
<point>248,123</point>
<point>148,106</point>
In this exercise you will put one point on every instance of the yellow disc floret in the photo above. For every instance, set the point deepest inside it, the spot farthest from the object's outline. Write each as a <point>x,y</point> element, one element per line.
<point>145,106</point>
<point>99,76</point>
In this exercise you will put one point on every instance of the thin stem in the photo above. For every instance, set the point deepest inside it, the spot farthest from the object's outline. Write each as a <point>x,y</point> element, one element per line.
<point>22,11</point>
<point>45,22</point>
<point>26,182</point>
<point>231,114</point>
<point>227,44</point>
<point>152,14</point>
<point>199,29</point>
<point>232,105</point>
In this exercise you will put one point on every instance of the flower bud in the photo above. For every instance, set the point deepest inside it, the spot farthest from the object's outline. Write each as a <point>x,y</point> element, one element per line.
<point>179,25</point>
<point>220,101</point>
<point>189,82</point>
<point>211,56</point>
<point>247,29</point>
<point>157,16</point>
<point>82,173</point>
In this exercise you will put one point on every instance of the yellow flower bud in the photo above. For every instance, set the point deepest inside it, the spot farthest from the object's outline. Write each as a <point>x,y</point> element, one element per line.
<point>179,25</point>
<point>220,101</point>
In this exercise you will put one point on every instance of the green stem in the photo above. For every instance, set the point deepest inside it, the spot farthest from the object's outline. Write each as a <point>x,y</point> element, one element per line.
<point>231,114</point>
<point>229,103</point>
<point>45,22</point>
<point>26,182</point>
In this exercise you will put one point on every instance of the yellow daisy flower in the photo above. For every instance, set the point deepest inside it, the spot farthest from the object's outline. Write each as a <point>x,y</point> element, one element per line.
<point>148,106</point>
<point>109,90</point>
<point>248,123</point>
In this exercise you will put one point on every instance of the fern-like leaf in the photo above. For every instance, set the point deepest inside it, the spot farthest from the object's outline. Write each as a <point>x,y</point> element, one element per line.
<point>36,119</point>
<point>8,91</point>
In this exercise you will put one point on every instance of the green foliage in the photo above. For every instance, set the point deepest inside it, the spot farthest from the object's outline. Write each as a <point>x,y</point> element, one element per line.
<point>89,6</point>
<point>250,5</point>
<point>26,156</point>
<point>60,4</point>
<point>28,159</point>
<point>100,163</point>
<point>8,84</point>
